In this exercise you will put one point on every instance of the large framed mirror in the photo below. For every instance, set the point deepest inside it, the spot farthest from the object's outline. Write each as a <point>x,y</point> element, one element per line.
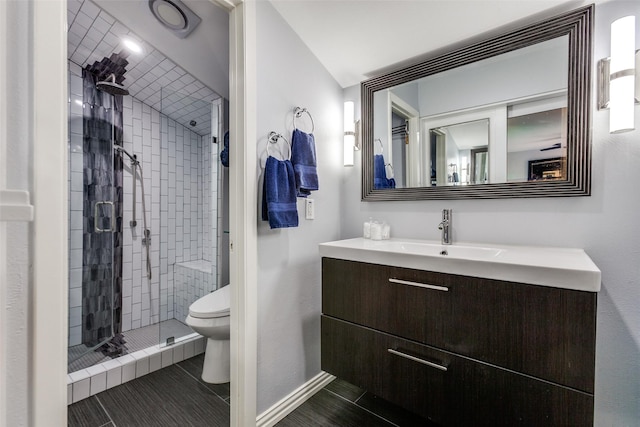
<point>508,117</point>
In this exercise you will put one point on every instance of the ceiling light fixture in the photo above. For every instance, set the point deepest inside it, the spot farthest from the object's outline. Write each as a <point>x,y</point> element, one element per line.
<point>132,45</point>
<point>175,16</point>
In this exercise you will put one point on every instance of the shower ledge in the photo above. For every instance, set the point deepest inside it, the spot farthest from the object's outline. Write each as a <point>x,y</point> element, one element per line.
<point>199,265</point>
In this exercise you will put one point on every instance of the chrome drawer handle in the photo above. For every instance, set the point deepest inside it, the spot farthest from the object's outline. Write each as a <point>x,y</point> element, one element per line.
<point>416,359</point>
<point>419,285</point>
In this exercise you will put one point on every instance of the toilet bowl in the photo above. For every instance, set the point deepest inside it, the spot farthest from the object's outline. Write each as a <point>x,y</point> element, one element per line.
<point>209,316</point>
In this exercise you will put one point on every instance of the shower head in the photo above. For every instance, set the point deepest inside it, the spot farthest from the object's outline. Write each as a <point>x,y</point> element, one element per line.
<point>110,86</point>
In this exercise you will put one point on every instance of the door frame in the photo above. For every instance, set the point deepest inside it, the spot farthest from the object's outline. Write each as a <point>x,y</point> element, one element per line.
<point>243,228</point>
<point>49,307</point>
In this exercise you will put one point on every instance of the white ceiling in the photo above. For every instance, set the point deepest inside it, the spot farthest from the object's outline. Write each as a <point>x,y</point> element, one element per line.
<point>204,53</point>
<point>356,39</point>
<point>155,77</point>
<point>353,39</point>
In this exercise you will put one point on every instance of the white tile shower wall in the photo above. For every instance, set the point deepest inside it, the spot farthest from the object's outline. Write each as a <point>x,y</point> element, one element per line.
<point>76,200</point>
<point>206,197</point>
<point>176,165</point>
<point>193,280</point>
<point>220,209</point>
<point>179,173</point>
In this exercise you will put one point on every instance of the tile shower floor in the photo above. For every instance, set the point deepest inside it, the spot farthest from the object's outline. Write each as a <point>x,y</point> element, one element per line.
<point>137,339</point>
<point>176,396</point>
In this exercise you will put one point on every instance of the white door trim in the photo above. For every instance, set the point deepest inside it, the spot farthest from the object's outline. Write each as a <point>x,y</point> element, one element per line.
<point>293,400</point>
<point>48,311</point>
<point>243,221</point>
<point>49,127</point>
<point>3,239</point>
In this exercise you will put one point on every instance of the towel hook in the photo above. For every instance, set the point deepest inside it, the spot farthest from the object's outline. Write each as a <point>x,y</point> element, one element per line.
<point>298,112</point>
<point>386,170</point>
<point>381,146</point>
<point>274,137</point>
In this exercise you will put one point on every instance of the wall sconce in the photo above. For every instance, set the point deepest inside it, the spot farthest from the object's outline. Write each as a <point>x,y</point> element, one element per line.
<point>351,134</point>
<point>618,83</point>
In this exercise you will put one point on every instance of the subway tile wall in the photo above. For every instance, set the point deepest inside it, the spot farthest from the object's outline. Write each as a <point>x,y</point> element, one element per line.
<point>192,280</point>
<point>180,175</point>
<point>76,200</point>
<point>177,169</point>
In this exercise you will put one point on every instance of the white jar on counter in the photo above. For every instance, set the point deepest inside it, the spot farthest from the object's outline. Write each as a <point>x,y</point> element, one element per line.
<point>376,231</point>
<point>366,229</point>
<point>386,231</point>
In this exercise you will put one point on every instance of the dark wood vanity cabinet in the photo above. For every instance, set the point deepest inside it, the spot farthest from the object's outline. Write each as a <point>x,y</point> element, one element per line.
<point>461,350</point>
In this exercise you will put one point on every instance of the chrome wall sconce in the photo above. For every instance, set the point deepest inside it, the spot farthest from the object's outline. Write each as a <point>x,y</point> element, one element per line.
<point>618,81</point>
<point>351,133</point>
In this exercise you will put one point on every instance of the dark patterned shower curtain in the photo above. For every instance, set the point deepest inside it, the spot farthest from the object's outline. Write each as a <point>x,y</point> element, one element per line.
<point>102,251</point>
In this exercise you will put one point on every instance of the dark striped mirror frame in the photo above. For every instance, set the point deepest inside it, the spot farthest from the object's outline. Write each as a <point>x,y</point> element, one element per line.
<point>577,24</point>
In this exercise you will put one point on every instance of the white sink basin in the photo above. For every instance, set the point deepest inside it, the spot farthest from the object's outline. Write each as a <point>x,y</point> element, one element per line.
<point>435,249</point>
<point>554,267</point>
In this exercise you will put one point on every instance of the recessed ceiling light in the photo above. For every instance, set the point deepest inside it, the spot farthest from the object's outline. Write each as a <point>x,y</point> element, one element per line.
<point>132,45</point>
<point>175,15</point>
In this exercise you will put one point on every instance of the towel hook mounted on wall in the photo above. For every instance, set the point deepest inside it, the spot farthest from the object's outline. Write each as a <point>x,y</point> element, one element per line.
<point>274,137</point>
<point>378,140</point>
<point>298,112</point>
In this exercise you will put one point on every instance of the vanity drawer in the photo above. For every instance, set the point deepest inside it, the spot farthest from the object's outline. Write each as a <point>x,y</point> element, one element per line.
<point>362,293</point>
<point>448,389</point>
<point>546,332</point>
<point>541,331</point>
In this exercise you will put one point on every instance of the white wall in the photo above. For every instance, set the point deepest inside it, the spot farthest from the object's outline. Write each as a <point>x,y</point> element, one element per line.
<point>518,162</point>
<point>409,93</point>
<point>17,289</point>
<point>289,277</point>
<point>605,225</point>
<point>496,80</point>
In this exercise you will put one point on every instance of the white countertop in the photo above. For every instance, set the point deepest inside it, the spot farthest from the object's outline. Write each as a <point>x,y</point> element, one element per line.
<point>554,267</point>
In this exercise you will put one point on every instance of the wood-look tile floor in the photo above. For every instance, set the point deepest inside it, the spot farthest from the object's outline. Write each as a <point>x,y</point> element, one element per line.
<point>176,396</point>
<point>341,404</point>
<point>173,396</point>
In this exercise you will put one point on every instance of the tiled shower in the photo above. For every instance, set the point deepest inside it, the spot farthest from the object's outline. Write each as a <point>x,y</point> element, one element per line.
<point>183,183</point>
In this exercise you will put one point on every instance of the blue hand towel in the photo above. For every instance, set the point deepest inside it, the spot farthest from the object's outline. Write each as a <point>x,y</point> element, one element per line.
<point>224,154</point>
<point>279,194</point>
<point>379,174</point>
<point>392,182</point>
<point>303,158</point>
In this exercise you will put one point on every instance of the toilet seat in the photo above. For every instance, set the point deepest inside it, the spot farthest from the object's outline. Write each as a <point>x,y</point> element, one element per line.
<point>213,305</point>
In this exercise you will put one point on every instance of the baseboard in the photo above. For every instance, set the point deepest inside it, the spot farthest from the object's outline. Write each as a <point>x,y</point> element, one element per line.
<point>296,398</point>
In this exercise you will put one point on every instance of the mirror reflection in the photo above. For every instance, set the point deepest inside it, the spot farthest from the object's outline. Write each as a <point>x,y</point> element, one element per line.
<point>499,120</point>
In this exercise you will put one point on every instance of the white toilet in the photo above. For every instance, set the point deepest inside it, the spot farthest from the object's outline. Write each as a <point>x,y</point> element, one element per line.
<point>209,316</point>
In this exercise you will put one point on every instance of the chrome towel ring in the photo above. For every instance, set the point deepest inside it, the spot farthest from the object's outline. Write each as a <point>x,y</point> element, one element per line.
<point>274,137</point>
<point>298,112</point>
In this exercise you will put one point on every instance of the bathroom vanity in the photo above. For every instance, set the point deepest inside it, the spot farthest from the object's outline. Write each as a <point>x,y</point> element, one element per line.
<point>477,334</point>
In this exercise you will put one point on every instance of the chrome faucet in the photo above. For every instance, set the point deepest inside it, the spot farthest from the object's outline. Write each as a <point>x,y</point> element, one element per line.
<point>445,227</point>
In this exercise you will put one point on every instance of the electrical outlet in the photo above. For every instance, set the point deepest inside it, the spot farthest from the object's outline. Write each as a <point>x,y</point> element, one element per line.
<point>309,209</point>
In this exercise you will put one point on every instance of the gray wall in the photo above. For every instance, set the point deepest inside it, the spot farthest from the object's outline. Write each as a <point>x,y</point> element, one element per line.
<point>288,262</point>
<point>605,225</point>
